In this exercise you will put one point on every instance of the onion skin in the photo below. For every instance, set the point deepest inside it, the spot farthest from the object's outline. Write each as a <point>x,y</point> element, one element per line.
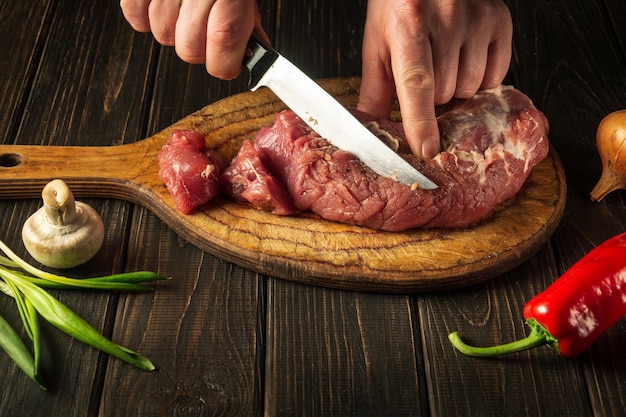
<point>611,144</point>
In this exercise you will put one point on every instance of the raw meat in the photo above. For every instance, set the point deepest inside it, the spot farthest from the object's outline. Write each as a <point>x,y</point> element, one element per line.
<point>189,169</point>
<point>247,180</point>
<point>490,142</point>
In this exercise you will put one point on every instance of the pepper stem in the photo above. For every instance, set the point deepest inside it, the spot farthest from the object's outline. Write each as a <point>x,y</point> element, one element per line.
<point>537,337</point>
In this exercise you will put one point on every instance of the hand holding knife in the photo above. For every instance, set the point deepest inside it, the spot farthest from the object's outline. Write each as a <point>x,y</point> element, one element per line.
<point>324,114</point>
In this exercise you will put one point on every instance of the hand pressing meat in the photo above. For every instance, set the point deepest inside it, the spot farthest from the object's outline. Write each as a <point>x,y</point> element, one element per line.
<point>425,51</point>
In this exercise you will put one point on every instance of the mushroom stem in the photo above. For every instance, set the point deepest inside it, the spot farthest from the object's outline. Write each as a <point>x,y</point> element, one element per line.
<point>59,204</point>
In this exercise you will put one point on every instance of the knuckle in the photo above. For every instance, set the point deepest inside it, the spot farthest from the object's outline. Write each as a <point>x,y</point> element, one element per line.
<point>418,78</point>
<point>190,54</point>
<point>164,35</point>
<point>222,72</point>
<point>489,9</point>
<point>444,94</point>
<point>136,18</point>
<point>468,86</point>
<point>494,14</point>
<point>226,37</point>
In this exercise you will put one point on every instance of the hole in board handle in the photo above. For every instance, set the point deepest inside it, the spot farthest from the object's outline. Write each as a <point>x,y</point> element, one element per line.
<point>9,160</point>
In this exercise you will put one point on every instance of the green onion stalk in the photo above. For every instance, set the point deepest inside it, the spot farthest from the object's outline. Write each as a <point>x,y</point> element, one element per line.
<point>27,284</point>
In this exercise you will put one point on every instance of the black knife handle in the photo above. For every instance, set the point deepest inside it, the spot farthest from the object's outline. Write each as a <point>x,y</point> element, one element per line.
<point>258,59</point>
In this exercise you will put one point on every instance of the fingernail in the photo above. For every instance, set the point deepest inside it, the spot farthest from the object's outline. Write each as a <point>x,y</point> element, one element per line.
<point>430,149</point>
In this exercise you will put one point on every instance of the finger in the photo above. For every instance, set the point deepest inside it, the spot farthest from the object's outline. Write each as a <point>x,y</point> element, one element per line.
<point>412,64</point>
<point>499,56</point>
<point>447,37</point>
<point>229,28</point>
<point>446,57</point>
<point>136,14</point>
<point>474,55</point>
<point>191,30</point>
<point>498,62</point>
<point>258,26</point>
<point>163,15</point>
<point>377,86</point>
<point>472,63</point>
<point>485,58</point>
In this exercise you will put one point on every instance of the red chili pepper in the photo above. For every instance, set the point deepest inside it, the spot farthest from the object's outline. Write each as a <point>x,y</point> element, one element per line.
<point>575,309</point>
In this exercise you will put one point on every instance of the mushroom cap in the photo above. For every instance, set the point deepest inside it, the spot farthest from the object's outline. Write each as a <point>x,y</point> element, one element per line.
<point>64,246</point>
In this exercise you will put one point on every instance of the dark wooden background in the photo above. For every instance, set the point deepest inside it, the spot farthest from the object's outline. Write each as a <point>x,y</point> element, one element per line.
<point>227,341</point>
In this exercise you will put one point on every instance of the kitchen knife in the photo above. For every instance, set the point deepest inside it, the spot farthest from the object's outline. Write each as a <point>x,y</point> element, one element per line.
<point>325,115</point>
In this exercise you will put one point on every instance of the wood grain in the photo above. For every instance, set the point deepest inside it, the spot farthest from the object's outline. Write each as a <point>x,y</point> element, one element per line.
<point>200,329</point>
<point>43,52</point>
<point>230,342</point>
<point>568,60</point>
<point>373,335</point>
<point>300,248</point>
<point>491,314</point>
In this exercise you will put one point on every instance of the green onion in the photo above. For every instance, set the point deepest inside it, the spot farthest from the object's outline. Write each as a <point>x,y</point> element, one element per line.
<point>124,282</point>
<point>11,343</point>
<point>66,320</point>
<point>26,284</point>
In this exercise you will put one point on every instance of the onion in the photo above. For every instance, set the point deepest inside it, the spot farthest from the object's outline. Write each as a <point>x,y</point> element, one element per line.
<point>611,144</point>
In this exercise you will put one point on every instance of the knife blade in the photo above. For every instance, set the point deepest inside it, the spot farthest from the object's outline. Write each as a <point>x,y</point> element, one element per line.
<point>325,115</point>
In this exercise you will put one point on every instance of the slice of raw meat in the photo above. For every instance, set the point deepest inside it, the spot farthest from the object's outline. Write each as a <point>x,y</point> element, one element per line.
<point>247,180</point>
<point>189,169</point>
<point>490,142</point>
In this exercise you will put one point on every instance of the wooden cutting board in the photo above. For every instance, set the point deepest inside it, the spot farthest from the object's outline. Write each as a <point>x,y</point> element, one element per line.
<point>300,248</point>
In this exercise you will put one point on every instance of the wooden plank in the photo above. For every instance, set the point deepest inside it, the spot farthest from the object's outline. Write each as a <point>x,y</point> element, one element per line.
<point>617,15</point>
<point>341,353</point>
<point>561,75</point>
<point>323,38</point>
<point>181,89</point>
<point>92,80</point>
<point>203,329</point>
<point>78,96</point>
<point>491,314</point>
<point>26,26</point>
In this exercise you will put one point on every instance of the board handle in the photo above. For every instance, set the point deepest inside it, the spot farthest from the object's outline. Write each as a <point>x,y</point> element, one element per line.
<point>127,172</point>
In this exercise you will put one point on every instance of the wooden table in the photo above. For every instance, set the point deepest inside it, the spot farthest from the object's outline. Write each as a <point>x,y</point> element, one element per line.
<point>229,341</point>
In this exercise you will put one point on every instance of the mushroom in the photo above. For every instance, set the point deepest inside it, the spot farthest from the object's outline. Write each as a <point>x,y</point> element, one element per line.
<point>63,233</point>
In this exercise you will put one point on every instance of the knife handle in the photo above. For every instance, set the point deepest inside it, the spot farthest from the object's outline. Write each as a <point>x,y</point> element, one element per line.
<point>258,59</point>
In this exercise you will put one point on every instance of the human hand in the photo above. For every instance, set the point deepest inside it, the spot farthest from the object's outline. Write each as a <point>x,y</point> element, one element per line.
<point>427,52</point>
<point>213,32</point>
